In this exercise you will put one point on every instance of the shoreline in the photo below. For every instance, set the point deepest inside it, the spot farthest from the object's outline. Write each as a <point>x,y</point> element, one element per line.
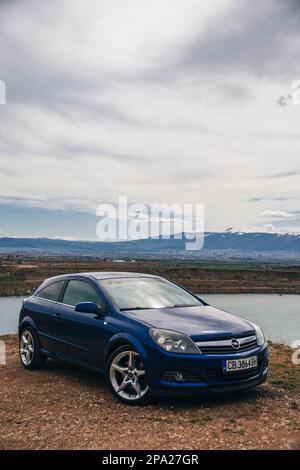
<point>23,293</point>
<point>22,275</point>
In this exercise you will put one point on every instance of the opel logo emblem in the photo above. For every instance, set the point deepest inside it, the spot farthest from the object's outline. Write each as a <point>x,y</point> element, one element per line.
<point>235,344</point>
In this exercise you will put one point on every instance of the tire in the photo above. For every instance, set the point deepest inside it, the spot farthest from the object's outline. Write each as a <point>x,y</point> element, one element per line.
<point>30,355</point>
<point>126,376</point>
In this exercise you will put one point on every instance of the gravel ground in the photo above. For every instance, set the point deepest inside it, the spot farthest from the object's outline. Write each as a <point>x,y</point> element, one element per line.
<point>62,407</point>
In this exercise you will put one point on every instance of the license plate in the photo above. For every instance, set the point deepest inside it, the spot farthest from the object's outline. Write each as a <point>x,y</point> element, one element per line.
<point>235,365</point>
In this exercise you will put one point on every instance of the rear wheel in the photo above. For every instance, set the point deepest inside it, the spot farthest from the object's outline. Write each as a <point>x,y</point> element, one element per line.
<point>30,355</point>
<point>126,376</point>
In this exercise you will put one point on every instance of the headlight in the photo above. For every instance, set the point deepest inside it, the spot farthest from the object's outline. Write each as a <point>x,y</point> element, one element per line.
<point>171,341</point>
<point>259,335</point>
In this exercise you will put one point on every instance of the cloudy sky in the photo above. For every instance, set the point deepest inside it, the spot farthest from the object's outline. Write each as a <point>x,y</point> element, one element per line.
<point>164,101</point>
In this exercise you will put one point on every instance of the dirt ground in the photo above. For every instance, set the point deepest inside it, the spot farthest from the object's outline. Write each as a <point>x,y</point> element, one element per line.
<point>62,407</point>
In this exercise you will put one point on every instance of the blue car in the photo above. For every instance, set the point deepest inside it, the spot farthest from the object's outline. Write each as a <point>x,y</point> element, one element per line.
<point>148,335</point>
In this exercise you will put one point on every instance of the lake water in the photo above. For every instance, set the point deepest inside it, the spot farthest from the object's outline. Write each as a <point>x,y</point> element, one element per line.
<point>278,316</point>
<point>9,314</point>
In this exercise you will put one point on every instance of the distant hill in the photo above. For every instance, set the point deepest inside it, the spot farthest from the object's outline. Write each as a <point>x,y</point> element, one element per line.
<point>227,245</point>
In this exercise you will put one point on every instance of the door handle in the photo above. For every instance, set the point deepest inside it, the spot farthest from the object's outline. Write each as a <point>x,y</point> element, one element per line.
<point>57,316</point>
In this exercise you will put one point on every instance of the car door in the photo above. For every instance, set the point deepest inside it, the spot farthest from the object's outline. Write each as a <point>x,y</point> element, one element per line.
<point>81,337</point>
<point>41,311</point>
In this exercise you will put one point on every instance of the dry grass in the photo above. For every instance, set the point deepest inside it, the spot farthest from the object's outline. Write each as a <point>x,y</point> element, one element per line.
<point>23,278</point>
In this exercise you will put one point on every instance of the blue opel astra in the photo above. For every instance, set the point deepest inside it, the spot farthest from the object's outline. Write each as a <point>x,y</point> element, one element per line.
<point>148,335</point>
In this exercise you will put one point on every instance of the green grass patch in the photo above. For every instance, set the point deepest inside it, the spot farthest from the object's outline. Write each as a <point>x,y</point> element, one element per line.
<point>8,338</point>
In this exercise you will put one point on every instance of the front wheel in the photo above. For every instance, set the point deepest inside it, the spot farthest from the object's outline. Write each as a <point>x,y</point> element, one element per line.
<point>30,355</point>
<point>126,376</point>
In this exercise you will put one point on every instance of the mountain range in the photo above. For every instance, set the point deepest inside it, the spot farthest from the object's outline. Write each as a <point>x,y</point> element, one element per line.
<point>225,245</point>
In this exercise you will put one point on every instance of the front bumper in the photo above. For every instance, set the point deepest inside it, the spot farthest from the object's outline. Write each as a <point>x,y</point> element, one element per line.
<point>202,373</point>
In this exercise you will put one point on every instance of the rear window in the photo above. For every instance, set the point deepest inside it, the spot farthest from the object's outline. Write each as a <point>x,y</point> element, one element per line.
<point>51,292</point>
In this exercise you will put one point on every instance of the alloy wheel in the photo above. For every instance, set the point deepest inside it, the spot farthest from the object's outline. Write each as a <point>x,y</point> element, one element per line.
<point>127,376</point>
<point>27,348</point>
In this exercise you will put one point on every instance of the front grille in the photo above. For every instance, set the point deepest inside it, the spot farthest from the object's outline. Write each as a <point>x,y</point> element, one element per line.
<point>217,375</point>
<point>225,346</point>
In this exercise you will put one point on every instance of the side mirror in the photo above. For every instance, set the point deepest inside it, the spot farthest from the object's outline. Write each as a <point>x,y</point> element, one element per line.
<point>89,307</point>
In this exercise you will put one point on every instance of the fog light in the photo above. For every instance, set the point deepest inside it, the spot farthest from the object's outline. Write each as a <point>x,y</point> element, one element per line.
<point>178,376</point>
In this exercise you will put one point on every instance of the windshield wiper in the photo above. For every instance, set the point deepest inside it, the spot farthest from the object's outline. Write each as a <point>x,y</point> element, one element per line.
<point>135,308</point>
<point>153,308</point>
<point>182,305</point>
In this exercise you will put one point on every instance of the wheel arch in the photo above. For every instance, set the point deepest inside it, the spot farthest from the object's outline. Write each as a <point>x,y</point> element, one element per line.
<point>27,321</point>
<point>123,339</point>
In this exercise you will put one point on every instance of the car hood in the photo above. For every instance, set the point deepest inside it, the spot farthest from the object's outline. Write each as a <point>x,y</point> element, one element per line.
<point>199,322</point>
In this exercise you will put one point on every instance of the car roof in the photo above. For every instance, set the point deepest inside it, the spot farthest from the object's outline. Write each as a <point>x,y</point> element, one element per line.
<point>103,275</point>
<point>117,274</point>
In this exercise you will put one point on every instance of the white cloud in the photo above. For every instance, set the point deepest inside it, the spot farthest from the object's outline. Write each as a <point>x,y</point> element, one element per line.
<point>123,98</point>
<point>277,214</point>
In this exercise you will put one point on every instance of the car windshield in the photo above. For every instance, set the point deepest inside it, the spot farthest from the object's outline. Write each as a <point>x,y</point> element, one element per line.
<point>142,293</point>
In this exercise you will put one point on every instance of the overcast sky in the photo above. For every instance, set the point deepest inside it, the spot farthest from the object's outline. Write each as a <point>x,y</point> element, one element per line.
<point>163,101</point>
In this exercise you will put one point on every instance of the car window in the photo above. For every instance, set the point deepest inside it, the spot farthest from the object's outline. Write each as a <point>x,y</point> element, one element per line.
<point>80,291</point>
<point>51,292</point>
